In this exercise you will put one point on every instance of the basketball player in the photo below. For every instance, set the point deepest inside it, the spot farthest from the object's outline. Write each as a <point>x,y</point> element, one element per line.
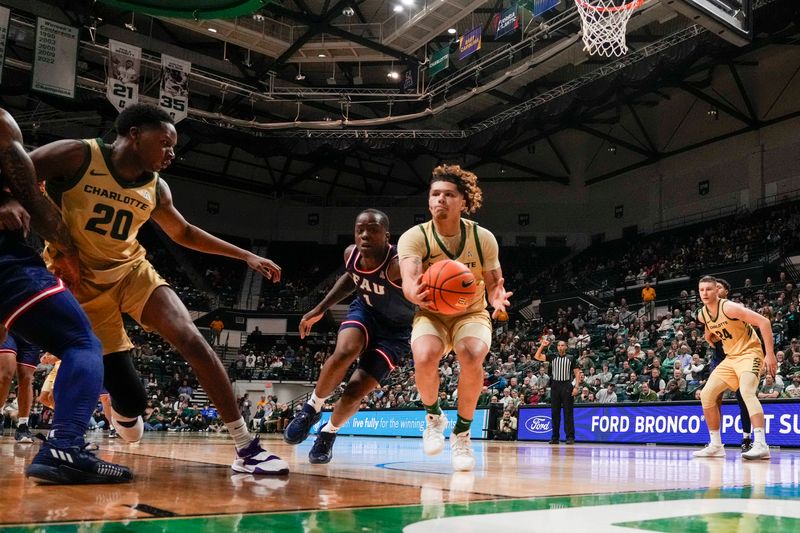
<point>20,356</point>
<point>376,331</point>
<point>452,192</point>
<point>723,288</point>
<point>732,325</point>
<point>106,192</point>
<point>30,296</point>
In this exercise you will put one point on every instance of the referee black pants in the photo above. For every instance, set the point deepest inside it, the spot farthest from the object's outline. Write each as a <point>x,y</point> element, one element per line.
<point>561,396</point>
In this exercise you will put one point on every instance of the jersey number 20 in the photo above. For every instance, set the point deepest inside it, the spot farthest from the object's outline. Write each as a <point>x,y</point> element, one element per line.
<point>120,223</point>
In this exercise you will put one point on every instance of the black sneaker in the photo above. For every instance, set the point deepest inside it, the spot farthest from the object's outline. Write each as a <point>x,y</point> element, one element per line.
<point>298,429</point>
<point>112,434</point>
<point>570,441</point>
<point>553,441</point>
<point>322,451</point>
<point>23,434</point>
<point>74,465</point>
<point>747,443</point>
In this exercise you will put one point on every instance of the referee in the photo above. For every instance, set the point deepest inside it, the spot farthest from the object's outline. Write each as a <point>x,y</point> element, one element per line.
<point>562,394</point>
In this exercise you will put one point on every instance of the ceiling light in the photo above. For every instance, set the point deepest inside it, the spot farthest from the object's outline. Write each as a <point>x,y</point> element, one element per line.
<point>407,2</point>
<point>300,77</point>
<point>320,55</point>
<point>452,31</point>
<point>397,8</point>
<point>212,30</point>
<point>393,75</point>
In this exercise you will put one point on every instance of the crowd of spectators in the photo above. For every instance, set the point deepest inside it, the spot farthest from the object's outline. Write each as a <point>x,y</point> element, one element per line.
<point>671,254</point>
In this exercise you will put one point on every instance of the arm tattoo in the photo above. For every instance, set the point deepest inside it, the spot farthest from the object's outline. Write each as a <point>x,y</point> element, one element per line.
<point>21,180</point>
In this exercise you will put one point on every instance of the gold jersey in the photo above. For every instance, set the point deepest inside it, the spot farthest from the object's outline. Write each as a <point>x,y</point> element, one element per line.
<point>737,337</point>
<point>475,247</point>
<point>104,213</point>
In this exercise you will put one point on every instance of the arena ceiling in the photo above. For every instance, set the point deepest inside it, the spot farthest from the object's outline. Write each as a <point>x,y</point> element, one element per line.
<point>532,107</point>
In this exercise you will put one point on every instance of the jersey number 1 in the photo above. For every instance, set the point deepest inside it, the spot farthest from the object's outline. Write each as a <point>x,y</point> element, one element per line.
<point>120,226</point>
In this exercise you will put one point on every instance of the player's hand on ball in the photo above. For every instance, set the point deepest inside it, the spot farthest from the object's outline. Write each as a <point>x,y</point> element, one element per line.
<point>420,294</point>
<point>265,267</point>
<point>545,342</point>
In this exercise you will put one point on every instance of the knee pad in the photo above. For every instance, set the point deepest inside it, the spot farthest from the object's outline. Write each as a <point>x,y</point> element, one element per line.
<point>748,386</point>
<point>128,395</point>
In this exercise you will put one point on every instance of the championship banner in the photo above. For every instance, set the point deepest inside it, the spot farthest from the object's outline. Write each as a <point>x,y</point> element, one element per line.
<point>174,95</point>
<point>662,423</point>
<point>4,16</point>
<point>122,84</point>
<point>55,58</point>
<point>440,60</point>
<point>469,43</point>
<point>506,22</point>
<point>539,7</point>
<point>408,85</point>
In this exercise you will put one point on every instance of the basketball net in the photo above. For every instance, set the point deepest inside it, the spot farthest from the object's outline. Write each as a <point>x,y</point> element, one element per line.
<point>605,24</point>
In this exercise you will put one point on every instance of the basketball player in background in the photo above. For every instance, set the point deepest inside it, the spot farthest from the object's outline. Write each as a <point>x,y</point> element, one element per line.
<point>732,325</point>
<point>447,235</point>
<point>105,193</point>
<point>723,288</point>
<point>30,296</point>
<point>376,331</point>
<point>20,356</point>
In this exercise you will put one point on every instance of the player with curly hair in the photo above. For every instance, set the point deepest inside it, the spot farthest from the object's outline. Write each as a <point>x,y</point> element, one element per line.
<point>453,192</point>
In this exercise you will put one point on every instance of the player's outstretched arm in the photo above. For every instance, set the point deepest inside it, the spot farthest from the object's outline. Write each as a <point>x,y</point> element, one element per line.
<point>343,287</point>
<point>498,296</point>
<point>190,236</point>
<point>734,310</point>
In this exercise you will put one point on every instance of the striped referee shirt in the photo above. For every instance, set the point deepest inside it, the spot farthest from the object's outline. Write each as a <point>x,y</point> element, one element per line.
<point>562,366</point>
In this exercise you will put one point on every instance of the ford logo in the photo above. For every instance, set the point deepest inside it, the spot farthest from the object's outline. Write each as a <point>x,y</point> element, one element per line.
<point>539,424</point>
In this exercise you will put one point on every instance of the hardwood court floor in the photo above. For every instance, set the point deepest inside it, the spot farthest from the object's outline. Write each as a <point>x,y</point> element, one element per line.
<point>184,483</point>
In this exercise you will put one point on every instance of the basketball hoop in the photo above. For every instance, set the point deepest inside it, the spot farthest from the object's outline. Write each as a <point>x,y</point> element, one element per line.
<point>605,24</point>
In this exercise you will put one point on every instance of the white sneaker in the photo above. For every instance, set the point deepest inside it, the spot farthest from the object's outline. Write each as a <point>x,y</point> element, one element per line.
<point>254,459</point>
<point>462,454</point>
<point>433,436</point>
<point>760,450</point>
<point>711,450</point>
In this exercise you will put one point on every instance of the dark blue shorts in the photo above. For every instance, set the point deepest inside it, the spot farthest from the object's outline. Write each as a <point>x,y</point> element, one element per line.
<point>385,345</point>
<point>24,281</point>
<point>26,353</point>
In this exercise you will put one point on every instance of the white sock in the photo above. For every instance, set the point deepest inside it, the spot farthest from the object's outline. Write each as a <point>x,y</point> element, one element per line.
<point>316,402</point>
<point>239,432</point>
<point>759,435</point>
<point>330,428</point>
<point>22,420</point>
<point>745,435</point>
<point>716,439</point>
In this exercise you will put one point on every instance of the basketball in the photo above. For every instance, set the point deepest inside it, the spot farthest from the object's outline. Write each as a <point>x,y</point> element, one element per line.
<point>452,286</point>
